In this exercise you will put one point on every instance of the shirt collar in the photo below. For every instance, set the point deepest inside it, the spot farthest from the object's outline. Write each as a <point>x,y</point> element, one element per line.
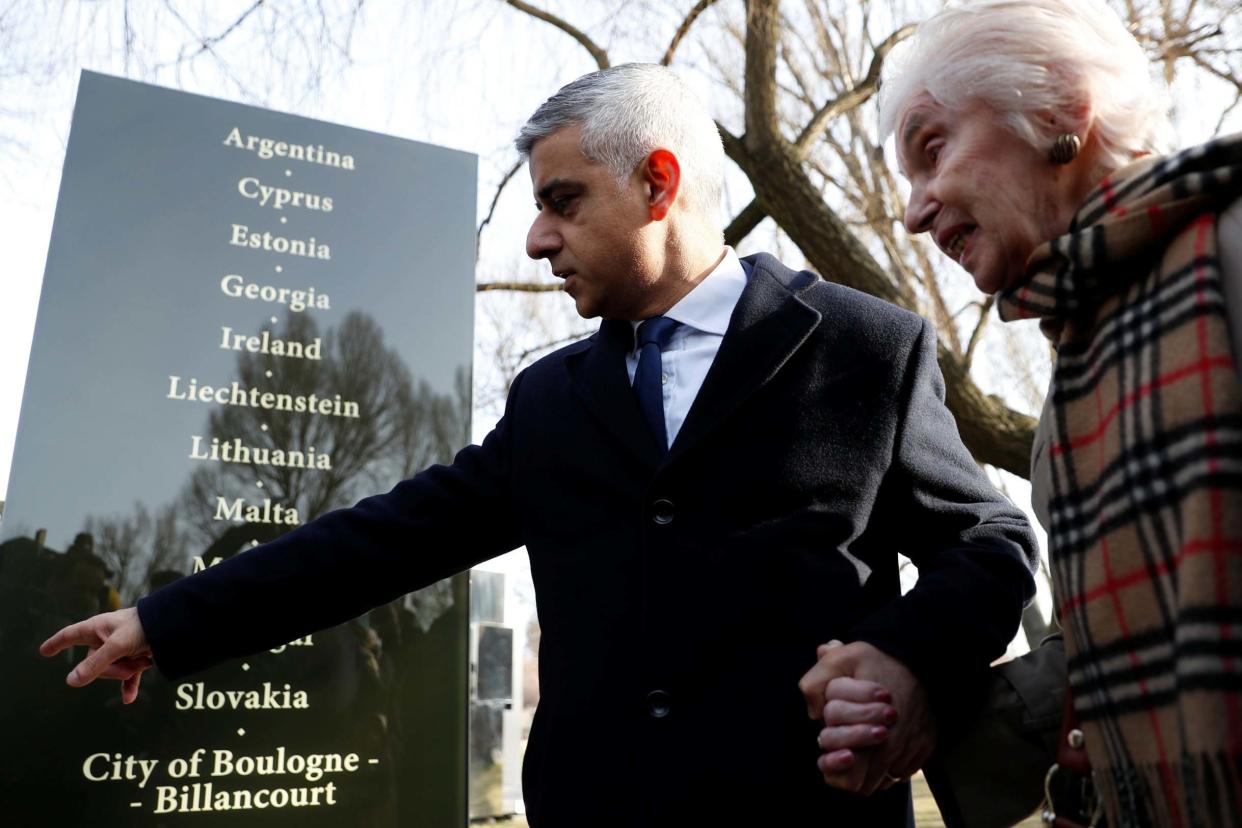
<point>709,305</point>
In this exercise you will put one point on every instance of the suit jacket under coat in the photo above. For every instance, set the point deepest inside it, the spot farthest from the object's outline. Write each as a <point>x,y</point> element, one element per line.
<point>681,596</point>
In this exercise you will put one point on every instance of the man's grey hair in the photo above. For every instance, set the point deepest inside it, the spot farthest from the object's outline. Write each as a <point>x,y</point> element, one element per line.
<point>1028,59</point>
<point>627,111</point>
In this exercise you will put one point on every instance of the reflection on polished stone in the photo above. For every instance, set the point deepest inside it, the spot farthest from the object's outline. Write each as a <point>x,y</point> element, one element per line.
<point>204,377</point>
<point>352,682</point>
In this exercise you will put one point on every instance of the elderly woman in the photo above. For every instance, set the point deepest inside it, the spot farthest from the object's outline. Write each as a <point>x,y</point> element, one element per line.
<point>1030,132</point>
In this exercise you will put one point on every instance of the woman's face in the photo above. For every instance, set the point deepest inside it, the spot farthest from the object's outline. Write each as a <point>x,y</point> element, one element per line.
<point>987,197</point>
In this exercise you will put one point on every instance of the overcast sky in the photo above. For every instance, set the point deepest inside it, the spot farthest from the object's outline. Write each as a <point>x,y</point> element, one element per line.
<point>464,75</point>
<point>459,74</point>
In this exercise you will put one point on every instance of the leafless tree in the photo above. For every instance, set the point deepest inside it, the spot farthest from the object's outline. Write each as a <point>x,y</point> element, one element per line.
<point>797,80</point>
<point>808,147</point>
<point>136,545</point>
<point>403,426</point>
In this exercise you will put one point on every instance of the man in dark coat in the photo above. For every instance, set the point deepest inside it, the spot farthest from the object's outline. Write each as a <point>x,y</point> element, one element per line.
<point>704,501</point>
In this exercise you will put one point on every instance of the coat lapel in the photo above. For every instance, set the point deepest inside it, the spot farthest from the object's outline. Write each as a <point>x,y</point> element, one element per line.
<point>768,325</point>
<point>600,380</point>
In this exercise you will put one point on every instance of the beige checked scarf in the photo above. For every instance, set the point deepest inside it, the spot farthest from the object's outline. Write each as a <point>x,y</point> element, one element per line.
<point>1145,511</point>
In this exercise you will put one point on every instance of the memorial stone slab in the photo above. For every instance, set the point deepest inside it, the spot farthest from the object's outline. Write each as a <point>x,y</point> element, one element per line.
<point>247,319</point>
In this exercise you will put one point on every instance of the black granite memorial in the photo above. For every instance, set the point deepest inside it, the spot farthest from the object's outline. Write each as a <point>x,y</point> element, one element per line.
<point>247,319</point>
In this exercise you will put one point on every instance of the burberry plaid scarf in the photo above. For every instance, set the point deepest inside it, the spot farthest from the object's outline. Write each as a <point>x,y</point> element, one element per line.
<point>1145,531</point>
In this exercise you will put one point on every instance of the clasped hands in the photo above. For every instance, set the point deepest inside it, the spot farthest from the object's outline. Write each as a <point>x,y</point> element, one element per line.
<point>878,728</point>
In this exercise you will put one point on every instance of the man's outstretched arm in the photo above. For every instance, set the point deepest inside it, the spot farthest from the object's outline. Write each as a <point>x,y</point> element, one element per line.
<point>323,573</point>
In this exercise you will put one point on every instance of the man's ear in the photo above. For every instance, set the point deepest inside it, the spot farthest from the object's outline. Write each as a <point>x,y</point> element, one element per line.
<point>662,175</point>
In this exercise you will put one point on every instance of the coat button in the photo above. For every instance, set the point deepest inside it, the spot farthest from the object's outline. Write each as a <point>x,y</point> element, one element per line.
<point>662,511</point>
<point>658,704</point>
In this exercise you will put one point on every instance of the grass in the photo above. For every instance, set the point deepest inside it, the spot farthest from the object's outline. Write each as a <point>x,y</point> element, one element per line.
<point>926,815</point>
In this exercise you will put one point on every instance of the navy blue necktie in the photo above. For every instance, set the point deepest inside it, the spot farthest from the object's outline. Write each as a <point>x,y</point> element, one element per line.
<point>653,337</point>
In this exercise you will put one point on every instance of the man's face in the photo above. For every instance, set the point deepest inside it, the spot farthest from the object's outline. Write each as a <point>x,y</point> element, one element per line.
<point>593,232</point>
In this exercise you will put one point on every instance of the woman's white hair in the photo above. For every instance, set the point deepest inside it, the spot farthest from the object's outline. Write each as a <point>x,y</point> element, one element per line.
<point>1046,66</point>
<point>628,111</point>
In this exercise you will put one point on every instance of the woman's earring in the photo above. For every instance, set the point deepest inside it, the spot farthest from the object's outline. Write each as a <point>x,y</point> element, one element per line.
<point>1065,148</point>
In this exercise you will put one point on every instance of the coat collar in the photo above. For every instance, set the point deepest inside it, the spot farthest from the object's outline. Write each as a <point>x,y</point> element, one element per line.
<point>770,323</point>
<point>1123,228</point>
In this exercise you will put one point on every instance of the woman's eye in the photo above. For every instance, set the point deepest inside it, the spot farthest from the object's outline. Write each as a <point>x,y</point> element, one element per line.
<point>933,152</point>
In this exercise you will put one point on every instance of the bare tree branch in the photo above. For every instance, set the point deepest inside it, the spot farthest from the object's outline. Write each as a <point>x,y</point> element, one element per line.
<point>807,145</point>
<point>854,97</point>
<point>762,36</point>
<point>984,310</point>
<point>993,432</point>
<point>768,161</point>
<point>1203,63</point>
<point>1224,116</point>
<point>733,145</point>
<point>699,8</point>
<point>744,223</point>
<point>794,62</point>
<point>206,44</point>
<point>599,55</point>
<point>500,188</point>
<point>128,47</point>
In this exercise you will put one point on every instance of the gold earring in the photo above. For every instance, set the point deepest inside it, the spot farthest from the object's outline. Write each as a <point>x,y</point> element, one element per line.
<point>1065,148</point>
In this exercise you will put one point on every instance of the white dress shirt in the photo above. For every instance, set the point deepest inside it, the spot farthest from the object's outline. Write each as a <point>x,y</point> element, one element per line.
<point>704,315</point>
